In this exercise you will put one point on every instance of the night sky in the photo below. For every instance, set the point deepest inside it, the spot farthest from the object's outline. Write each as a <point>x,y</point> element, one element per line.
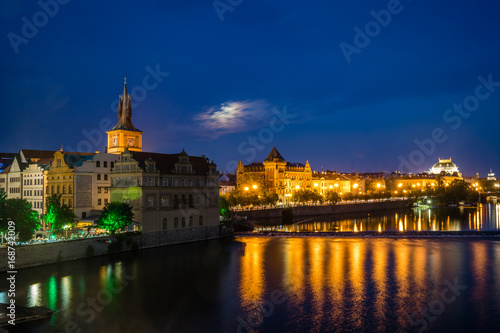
<point>356,93</point>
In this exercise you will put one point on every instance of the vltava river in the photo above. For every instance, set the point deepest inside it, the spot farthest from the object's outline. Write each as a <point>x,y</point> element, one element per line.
<point>284,284</point>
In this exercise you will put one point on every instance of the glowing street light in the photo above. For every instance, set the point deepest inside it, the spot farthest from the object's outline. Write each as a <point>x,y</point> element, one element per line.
<point>355,186</point>
<point>336,185</point>
<point>297,187</point>
<point>400,184</point>
<point>378,185</point>
<point>254,187</point>
<point>246,188</point>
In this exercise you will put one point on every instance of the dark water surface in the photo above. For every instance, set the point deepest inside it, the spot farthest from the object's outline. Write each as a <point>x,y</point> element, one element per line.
<point>309,284</point>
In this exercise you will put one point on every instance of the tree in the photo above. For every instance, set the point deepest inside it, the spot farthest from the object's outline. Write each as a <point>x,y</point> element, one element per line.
<point>58,215</point>
<point>306,196</point>
<point>458,191</point>
<point>224,206</point>
<point>115,216</point>
<point>332,196</point>
<point>19,211</point>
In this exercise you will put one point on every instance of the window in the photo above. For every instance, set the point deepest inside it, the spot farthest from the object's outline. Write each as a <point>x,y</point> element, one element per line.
<point>69,203</point>
<point>47,189</point>
<point>183,222</point>
<point>176,201</point>
<point>164,224</point>
<point>201,220</point>
<point>105,190</point>
<point>105,177</point>
<point>99,189</point>
<point>99,202</point>
<point>164,201</point>
<point>53,189</point>
<point>150,182</point>
<point>191,201</point>
<point>57,189</point>
<point>64,189</point>
<point>70,189</point>
<point>190,222</point>
<point>106,201</point>
<point>176,223</point>
<point>98,164</point>
<point>150,201</point>
<point>98,176</point>
<point>58,162</point>
<point>105,164</point>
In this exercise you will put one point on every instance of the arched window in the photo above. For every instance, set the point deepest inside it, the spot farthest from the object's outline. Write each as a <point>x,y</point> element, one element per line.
<point>70,189</point>
<point>176,201</point>
<point>47,189</point>
<point>201,220</point>
<point>184,199</point>
<point>176,223</point>
<point>190,222</point>
<point>58,189</point>
<point>191,201</point>
<point>164,223</point>
<point>53,190</point>
<point>183,222</point>
<point>64,189</point>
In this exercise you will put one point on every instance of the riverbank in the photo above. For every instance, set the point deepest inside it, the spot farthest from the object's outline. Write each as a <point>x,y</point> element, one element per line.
<point>375,234</point>
<point>54,252</point>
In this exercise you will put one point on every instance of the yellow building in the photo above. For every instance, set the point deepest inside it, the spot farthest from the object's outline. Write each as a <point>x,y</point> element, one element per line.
<point>327,181</point>
<point>278,175</point>
<point>124,135</point>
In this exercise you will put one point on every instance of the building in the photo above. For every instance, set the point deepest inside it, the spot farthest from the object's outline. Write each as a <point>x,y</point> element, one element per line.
<point>82,180</point>
<point>277,175</point>
<point>491,176</point>
<point>167,191</point>
<point>227,183</point>
<point>445,167</point>
<point>340,183</point>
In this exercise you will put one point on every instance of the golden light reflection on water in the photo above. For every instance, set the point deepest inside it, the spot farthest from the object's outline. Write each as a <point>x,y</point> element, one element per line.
<point>482,217</point>
<point>252,274</point>
<point>338,281</point>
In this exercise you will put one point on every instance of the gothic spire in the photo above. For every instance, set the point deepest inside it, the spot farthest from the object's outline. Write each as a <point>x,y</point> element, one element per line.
<point>125,111</point>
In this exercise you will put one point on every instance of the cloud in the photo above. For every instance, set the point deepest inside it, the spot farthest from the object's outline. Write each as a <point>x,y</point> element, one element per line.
<point>233,117</point>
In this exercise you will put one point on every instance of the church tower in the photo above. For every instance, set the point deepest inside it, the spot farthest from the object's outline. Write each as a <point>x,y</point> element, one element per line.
<point>124,135</point>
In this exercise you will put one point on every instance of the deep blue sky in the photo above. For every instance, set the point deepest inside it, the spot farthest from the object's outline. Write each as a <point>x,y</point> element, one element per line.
<point>226,76</point>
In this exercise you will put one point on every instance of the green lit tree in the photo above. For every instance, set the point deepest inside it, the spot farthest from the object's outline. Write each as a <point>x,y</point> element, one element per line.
<point>115,216</point>
<point>26,219</point>
<point>58,215</point>
<point>224,206</point>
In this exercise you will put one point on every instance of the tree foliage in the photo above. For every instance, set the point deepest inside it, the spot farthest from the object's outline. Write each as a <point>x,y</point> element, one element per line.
<point>115,216</point>
<point>306,196</point>
<point>26,219</point>
<point>58,215</point>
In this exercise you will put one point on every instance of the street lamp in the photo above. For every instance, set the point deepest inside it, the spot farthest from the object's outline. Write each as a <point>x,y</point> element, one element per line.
<point>246,188</point>
<point>254,187</point>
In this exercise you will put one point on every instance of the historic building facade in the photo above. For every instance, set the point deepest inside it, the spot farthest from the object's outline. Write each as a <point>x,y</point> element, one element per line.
<point>82,180</point>
<point>166,191</point>
<point>278,175</point>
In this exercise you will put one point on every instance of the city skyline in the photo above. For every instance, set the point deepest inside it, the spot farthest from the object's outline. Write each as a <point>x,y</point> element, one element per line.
<point>212,79</point>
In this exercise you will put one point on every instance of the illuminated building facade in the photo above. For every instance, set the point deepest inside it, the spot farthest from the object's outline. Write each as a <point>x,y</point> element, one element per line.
<point>82,180</point>
<point>167,191</point>
<point>340,183</point>
<point>445,166</point>
<point>279,176</point>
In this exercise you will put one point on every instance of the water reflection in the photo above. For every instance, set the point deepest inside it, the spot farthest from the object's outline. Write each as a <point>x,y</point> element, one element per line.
<point>482,217</point>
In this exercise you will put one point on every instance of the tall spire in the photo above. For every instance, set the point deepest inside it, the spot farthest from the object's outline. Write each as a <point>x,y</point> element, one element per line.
<point>125,110</point>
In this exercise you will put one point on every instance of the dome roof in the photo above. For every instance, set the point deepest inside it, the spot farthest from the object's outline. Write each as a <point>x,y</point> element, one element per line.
<point>445,165</point>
